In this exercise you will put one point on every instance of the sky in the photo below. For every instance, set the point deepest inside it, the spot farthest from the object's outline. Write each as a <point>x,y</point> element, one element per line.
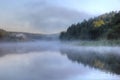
<point>50,16</point>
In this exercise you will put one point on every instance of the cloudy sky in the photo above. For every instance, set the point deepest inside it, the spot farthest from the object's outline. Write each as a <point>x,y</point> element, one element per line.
<point>50,16</point>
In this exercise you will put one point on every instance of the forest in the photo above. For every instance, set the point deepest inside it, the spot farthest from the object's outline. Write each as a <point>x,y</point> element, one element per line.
<point>103,27</point>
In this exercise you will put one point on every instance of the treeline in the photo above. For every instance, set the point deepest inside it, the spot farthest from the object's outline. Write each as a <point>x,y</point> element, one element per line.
<point>24,36</point>
<point>106,26</point>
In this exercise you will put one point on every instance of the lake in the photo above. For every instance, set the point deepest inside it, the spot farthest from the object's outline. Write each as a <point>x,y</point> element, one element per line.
<point>54,60</point>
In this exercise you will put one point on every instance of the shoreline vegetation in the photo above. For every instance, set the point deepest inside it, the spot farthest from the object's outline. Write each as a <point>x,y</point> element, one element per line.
<point>101,30</point>
<point>6,36</point>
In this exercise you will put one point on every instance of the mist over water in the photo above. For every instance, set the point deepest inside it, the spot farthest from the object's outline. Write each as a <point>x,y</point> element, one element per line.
<point>55,60</point>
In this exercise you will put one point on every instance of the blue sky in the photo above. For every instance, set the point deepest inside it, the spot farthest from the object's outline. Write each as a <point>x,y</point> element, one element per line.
<point>50,16</point>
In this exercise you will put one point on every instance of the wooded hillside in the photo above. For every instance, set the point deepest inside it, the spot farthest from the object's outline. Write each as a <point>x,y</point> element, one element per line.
<point>106,26</point>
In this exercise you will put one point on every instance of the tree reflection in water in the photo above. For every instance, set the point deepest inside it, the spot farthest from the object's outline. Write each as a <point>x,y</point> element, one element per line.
<point>109,62</point>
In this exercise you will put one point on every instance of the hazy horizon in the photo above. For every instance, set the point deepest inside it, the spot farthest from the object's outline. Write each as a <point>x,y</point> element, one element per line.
<point>48,17</point>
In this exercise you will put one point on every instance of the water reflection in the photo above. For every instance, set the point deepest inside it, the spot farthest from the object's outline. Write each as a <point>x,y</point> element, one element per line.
<point>47,61</point>
<point>26,47</point>
<point>108,61</point>
<point>46,66</point>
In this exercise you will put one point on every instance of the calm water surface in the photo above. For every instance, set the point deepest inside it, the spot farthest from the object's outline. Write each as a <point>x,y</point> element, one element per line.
<point>53,60</point>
